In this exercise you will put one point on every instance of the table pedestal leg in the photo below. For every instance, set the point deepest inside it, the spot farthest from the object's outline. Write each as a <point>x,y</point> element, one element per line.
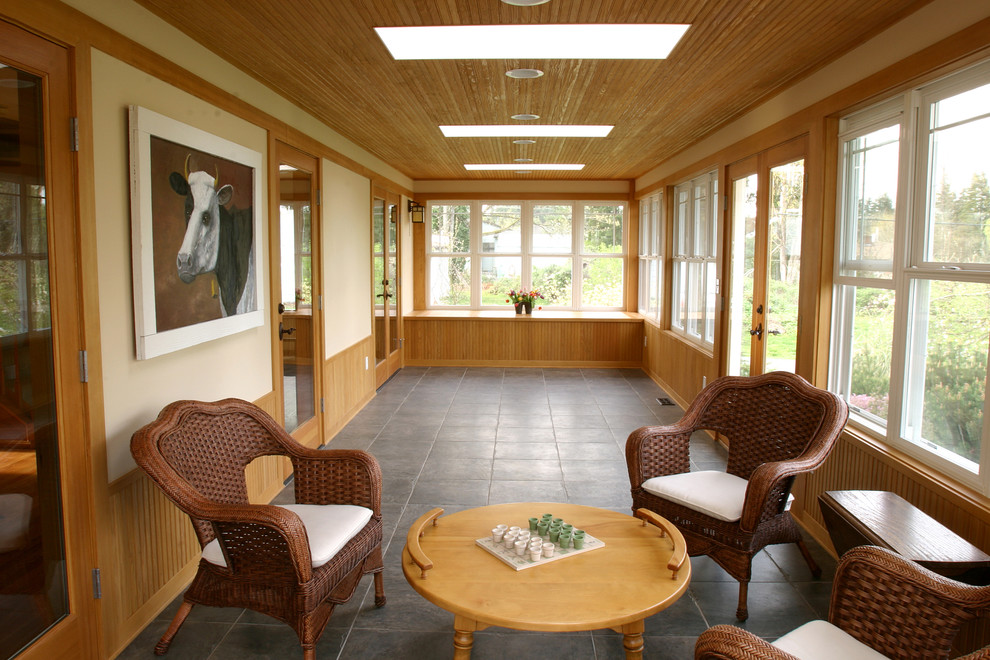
<point>632,639</point>
<point>464,636</point>
<point>463,641</point>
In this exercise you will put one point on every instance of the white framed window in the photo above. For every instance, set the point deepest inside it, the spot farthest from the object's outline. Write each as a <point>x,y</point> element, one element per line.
<point>571,252</point>
<point>651,228</point>
<point>911,302</point>
<point>694,283</point>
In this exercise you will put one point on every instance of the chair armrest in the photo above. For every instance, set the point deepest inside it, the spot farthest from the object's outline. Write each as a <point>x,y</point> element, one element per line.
<point>337,476</point>
<point>724,642</point>
<point>980,654</point>
<point>898,607</point>
<point>768,488</point>
<point>262,539</point>
<point>653,451</point>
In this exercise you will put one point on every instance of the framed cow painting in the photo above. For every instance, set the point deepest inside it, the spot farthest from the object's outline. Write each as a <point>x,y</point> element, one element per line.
<point>195,234</point>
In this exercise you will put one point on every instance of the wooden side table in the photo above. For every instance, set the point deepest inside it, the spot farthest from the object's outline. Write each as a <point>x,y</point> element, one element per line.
<point>642,570</point>
<point>877,517</point>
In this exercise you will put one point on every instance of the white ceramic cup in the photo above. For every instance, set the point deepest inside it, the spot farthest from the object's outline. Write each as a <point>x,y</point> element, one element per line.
<point>502,527</point>
<point>497,535</point>
<point>520,547</point>
<point>548,549</point>
<point>535,553</point>
<point>509,539</point>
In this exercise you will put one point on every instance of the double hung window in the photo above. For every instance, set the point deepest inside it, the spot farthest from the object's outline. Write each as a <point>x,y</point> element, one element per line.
<point>911,303</point>
<point>694,260</point>
<point>571,252</point>
<point>651,229</point>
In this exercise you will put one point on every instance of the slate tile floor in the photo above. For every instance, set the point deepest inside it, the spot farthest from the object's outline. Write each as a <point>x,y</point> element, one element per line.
<point>465,437</point>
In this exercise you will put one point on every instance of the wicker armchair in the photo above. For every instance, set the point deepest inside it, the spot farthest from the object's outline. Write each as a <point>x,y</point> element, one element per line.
<point>879,599</point>
<point>777,426</point>
<point>294,563</point>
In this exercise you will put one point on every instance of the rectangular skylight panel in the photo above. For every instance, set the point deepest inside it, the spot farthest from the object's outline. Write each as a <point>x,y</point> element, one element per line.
<point>599,41</point>
<point>524,166</point>
<point>523,130</point>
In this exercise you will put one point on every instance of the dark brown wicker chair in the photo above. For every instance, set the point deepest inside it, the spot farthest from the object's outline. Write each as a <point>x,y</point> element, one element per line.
<point>777,426</point>
<point>893,605</point>
<point>197,452</point>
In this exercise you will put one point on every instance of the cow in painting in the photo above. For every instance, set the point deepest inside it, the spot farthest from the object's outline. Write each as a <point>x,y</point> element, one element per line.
<point>217,240</point>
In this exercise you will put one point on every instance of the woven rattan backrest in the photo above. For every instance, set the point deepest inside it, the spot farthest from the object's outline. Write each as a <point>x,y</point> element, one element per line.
<point>212,450</point>
<point>764,420</point>
<point>198,451</point>
<point>897,607</point>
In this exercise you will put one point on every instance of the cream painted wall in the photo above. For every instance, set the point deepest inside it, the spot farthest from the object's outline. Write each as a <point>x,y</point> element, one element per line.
<point>137,23</point>
<point>932,23</point>
<point>134,391</point>
<point>346,257</point>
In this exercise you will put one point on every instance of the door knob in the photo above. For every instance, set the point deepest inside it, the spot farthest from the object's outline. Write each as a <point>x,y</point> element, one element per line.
<point>758,332</point>
<point>282,331</point>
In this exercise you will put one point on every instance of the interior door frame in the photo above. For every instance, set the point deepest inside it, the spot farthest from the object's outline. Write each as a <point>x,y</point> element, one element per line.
<point>760,164</point>
<point>311,432</point>
<point>77,635</point>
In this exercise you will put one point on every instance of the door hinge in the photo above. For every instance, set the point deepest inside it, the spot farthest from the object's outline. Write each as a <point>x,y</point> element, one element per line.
<point>83,367</point>
<point>322,409</point>
<point>74,134</point>
<point>319,302</point>
<point>97,588</point>
<point>319,196</point>
<point>725,202</point>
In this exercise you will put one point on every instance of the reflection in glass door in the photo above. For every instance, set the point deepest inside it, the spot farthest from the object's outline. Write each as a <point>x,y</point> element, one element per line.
<point>33,593</point>
<point>295,308</point>
<point>767,206</point>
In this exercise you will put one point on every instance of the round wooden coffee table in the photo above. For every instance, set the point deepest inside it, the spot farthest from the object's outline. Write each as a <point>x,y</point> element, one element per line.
<point>642,569</point>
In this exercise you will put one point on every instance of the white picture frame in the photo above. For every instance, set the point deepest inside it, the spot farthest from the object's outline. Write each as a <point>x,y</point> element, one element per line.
<point>169,314</point>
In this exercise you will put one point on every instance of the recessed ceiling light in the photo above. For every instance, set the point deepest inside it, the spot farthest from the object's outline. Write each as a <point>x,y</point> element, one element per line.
<point>525,3</point>
<point>524,74</point>
<point>525,117</point>
<point>533,166</point>
<point>523,130</point>
<point>524,142</point>
<point>601,41</point>
<point>523,160</point>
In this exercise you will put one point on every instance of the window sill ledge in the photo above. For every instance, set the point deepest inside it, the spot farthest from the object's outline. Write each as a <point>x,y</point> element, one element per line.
<point>507,315</point>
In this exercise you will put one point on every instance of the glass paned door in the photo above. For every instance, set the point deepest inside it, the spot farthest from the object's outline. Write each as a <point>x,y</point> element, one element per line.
<point>33,590</point>
<point>784,267</point>
<point>385,284</point>
<point>766,215</point>
<point>296,331</point>
<point>742,261</point>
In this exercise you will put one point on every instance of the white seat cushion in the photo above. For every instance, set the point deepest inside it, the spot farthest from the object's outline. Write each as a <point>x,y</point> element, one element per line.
<point>713,493</point>
<point>328,527</point>
<point>820,640</point>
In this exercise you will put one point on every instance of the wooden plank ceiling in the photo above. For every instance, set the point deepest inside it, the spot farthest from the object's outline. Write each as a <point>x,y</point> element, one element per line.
<point>324,56</point>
